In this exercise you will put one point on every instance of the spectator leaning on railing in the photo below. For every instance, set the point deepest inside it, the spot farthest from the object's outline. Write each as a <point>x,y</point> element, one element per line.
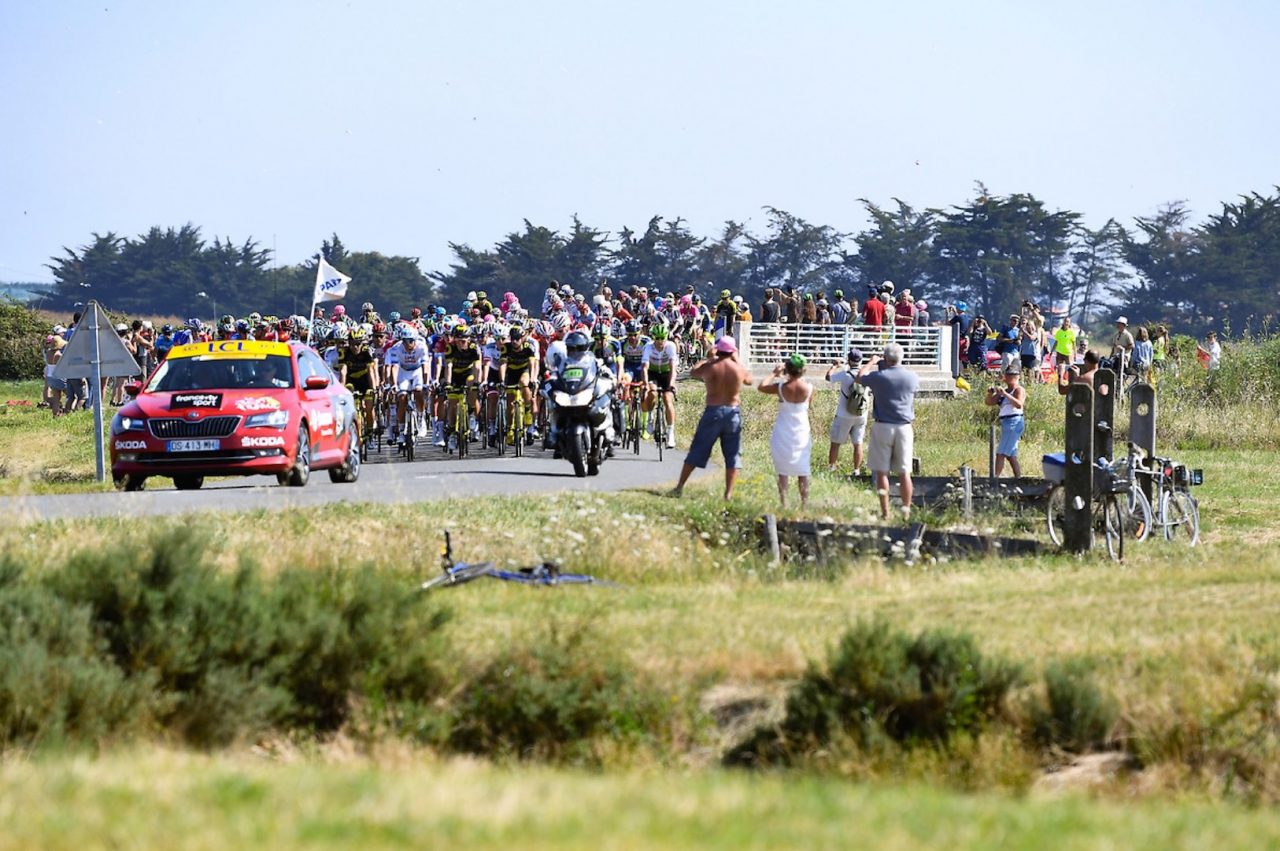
<point>893,389</point>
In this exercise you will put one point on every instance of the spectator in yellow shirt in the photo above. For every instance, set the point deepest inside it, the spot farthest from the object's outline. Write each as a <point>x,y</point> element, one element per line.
<point>1064,344</point>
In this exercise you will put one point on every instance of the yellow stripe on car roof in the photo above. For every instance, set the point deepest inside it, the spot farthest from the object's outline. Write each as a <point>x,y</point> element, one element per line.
<point>230,349</point>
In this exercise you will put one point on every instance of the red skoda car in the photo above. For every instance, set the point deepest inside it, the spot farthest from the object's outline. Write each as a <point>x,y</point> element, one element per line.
<point>236,407</point>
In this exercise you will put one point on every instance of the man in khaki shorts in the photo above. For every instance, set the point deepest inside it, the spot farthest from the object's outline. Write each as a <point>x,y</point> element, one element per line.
<point>893,398</point>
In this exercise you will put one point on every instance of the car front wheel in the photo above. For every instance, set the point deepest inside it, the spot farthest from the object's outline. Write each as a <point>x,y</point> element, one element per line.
<point>300,473</point>
<point>349,472</point>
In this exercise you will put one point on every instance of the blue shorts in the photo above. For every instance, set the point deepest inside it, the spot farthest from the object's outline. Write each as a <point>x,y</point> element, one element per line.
<point>718,422</point>
<point>1011,429</point>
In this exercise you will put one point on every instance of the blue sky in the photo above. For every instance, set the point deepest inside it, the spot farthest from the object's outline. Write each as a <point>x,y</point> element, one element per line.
<point>404,125</point>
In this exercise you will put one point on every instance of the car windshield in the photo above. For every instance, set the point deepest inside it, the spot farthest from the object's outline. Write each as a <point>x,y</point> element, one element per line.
<point>265,373</point>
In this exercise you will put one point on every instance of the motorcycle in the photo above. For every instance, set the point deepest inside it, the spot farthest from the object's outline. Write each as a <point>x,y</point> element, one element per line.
<point>581,417</point>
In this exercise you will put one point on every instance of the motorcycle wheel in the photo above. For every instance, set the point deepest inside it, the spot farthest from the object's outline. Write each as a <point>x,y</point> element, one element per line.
<point>576,453</point>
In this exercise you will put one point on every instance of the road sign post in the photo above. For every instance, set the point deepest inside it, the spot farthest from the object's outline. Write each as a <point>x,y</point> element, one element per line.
<point>96,352</point>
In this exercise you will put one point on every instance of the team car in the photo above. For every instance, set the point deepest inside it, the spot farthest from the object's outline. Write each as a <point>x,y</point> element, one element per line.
<point>232,408</point>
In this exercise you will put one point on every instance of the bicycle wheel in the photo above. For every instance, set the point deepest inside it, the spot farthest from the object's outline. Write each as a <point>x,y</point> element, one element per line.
<point>659,427</point>
<point>1182,518</point>
<point>1137,515</point>
<point>501,415</point>
<point>1113,530</point>
<point>1056,513</point>
<point>517,425</point>
<point>637,420</point>
<point>463,428</point>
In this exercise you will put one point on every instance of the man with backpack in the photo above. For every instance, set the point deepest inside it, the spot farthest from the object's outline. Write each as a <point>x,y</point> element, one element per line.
<point>850,423</point>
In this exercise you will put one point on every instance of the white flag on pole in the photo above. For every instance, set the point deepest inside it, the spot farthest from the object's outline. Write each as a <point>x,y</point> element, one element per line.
<point>330,283</point>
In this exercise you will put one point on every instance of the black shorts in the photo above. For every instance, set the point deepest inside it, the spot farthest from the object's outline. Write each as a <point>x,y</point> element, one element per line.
<point>1029,361</point>
<point>661,379</point>
<point>516,380</point>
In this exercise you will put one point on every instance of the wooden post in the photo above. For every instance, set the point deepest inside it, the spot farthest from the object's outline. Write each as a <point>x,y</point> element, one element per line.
<point>1077,523</point>
<point>966,493</point>
<point>991,454</point>
<point>770,530</point>
<point>1142,426</point>
<point>1104,412</point>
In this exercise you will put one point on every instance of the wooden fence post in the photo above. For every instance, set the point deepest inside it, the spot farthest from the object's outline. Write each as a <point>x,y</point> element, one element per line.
<point>1077,522</point>
<point>1142,426</point>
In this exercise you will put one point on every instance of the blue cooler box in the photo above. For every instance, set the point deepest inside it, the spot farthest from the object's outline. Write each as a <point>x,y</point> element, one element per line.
<point>1054,466</point>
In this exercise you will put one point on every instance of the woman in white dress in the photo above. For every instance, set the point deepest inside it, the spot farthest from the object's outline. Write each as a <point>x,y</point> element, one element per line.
<point>791,441</point>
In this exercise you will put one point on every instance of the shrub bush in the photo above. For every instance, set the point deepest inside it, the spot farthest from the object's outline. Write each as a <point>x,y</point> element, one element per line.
<point>153,633</point>
<point>552,698</point>
<point>1074,715</point>
<point>880,682</point>
<point>21,333</point>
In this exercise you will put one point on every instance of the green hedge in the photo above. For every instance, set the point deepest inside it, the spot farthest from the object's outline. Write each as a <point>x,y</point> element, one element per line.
<point>21,333</point>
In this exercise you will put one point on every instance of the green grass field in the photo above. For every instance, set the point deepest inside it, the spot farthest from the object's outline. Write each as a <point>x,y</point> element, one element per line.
<point>1183,639</point>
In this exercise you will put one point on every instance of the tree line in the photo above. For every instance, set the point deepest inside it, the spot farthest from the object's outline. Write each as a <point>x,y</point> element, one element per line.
<point>992,251</point>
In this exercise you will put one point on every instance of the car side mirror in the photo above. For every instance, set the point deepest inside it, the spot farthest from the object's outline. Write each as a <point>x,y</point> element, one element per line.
<point>133,388</point>
<point>316,382</point>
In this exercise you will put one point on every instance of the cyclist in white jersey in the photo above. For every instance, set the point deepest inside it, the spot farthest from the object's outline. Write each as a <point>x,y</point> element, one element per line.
<point>407,357</point>
<point>660,362</point>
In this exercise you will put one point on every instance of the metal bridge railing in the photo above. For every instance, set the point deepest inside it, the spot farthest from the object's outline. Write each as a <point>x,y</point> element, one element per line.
<point>763,344</point>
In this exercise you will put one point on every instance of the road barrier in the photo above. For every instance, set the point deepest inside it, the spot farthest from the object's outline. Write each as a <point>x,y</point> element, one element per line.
<point>926,350</point>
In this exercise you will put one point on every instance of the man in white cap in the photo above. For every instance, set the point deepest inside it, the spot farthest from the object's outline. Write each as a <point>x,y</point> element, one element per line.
<point>1122,345</point>
<point>721,420</point>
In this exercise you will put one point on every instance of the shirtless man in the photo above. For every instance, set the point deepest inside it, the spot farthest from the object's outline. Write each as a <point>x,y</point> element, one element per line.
<point>722,419</point>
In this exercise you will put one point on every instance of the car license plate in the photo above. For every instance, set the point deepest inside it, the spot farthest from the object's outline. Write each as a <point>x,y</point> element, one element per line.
<point>194,445</point>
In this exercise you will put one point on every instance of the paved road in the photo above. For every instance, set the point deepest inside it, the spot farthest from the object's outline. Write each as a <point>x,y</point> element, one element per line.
<point>386,479</point>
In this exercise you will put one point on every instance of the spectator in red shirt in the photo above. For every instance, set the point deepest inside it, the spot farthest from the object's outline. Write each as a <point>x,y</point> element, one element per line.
<point>873,310</point>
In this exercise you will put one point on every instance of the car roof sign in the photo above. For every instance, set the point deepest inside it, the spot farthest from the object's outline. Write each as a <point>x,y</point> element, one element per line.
<point>230,349</point>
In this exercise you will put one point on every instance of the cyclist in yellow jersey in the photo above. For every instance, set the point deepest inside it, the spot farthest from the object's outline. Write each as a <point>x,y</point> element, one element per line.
<point>461,374</point>
<point>515,369</point>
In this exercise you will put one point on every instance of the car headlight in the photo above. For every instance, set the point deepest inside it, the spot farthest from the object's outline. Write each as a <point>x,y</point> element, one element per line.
<point>274,419</point>
<point>121,423</point>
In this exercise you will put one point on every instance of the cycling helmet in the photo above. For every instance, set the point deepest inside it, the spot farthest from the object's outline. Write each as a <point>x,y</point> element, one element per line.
<point>340,310</point>
<point>561,321</point>
<point>407,334</point>
<point>601,332</point>
<point>471,296</point>
<point>394,316</point>
<point>725,294</point>
<point>166,328</point>
<point>659,302</point>
<point>544,329</point>
<point>440,311</point>
<point>242,325</point>
<point>255,317</point>
<point>339,333</point>
<point>415,312</point>
<point>192,323</point>
<point>577,343</point>
<point>686,300</point>
<point>359,336</point>
<point>633,327</point>
<point>515,333</point>
<point>459,329</point>
<point>367,307</point>
<point>658,331</point>
<point>466,305</point>
<point>482,296</point>
<point>227,321</point>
